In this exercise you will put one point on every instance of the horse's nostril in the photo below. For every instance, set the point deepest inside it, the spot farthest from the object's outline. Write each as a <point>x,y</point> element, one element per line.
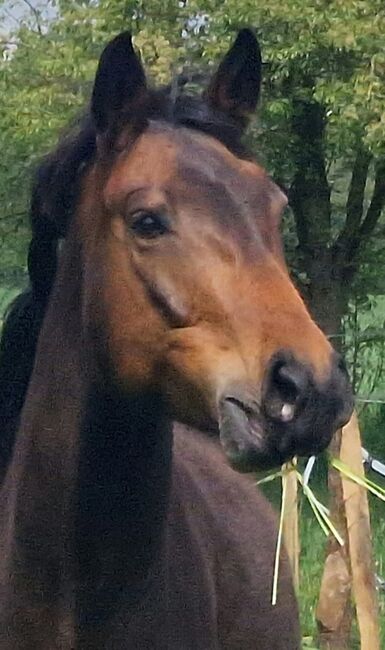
<point>285,388</point>
<point>288,381</point>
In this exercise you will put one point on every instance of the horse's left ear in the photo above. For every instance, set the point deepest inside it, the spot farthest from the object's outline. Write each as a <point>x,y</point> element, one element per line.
<point>235,87</point>
<point>119,83</point>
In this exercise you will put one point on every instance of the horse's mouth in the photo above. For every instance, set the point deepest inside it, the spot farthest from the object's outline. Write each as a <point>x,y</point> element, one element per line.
<point>242,433</point>
<point>252,441</point>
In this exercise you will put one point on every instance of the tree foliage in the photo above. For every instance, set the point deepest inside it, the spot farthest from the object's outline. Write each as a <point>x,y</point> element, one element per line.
<point>48,63</point>
<point>321,129</point>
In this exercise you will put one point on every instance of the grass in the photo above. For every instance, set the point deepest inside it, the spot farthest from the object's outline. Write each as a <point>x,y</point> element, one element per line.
<point>312,556</point>
<point>313,549</point>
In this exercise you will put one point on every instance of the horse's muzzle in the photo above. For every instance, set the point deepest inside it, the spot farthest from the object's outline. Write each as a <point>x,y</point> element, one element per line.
<point>295,415</point>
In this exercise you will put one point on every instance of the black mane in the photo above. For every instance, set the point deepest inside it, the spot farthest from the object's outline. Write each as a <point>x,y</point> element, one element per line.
<point>53,201</point>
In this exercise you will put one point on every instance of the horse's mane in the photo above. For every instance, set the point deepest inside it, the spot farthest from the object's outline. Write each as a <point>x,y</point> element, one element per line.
<point>53,201</point>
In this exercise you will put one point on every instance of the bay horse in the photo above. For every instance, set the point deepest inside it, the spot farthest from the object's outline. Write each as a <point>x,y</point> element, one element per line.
<point>168,312</point>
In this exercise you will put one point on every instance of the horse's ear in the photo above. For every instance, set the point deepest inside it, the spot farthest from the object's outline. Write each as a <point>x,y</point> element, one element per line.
<point>235,87</point>
<point>120,81</point>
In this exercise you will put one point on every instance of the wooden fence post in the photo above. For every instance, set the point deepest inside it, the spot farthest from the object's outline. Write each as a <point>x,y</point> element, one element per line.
<point>352,565</point>
<point>290,525</point>
<point>334,611</point>
<point>360,541</point>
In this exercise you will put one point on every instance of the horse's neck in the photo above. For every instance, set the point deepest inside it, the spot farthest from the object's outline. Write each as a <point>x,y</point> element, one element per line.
<point>84,500</point>
<point>38,495</point>
<point>124,475</point>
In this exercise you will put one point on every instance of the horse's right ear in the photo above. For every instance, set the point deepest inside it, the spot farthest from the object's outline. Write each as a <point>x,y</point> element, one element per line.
<point>119,83</point>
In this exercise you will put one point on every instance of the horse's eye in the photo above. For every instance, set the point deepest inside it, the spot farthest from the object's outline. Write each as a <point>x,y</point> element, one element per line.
<point>149,225</point>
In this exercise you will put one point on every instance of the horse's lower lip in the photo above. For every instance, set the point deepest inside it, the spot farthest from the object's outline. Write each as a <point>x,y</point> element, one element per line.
<point>242,435</point>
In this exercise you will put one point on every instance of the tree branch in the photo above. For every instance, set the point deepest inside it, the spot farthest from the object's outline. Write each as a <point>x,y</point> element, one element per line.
<point>300,216</point>
<point>350,248</point>
<point>377,203</point>
<point>309,194</point>
<point>36,13</point>
<point>356,195</point>
<point>10,15</point>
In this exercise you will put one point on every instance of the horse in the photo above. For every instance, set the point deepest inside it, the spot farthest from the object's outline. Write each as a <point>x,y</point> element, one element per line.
<point>170,355</point>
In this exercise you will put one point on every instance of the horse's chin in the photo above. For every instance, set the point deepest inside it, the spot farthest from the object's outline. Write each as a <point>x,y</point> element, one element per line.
<point>253,460</point>
<point>249,441</point>
<point>246,445</point>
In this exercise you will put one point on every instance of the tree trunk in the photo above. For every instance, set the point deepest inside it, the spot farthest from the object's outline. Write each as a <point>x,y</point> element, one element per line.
<point>334,611</point>
<point>310,201</point>
<point>327,302</point>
